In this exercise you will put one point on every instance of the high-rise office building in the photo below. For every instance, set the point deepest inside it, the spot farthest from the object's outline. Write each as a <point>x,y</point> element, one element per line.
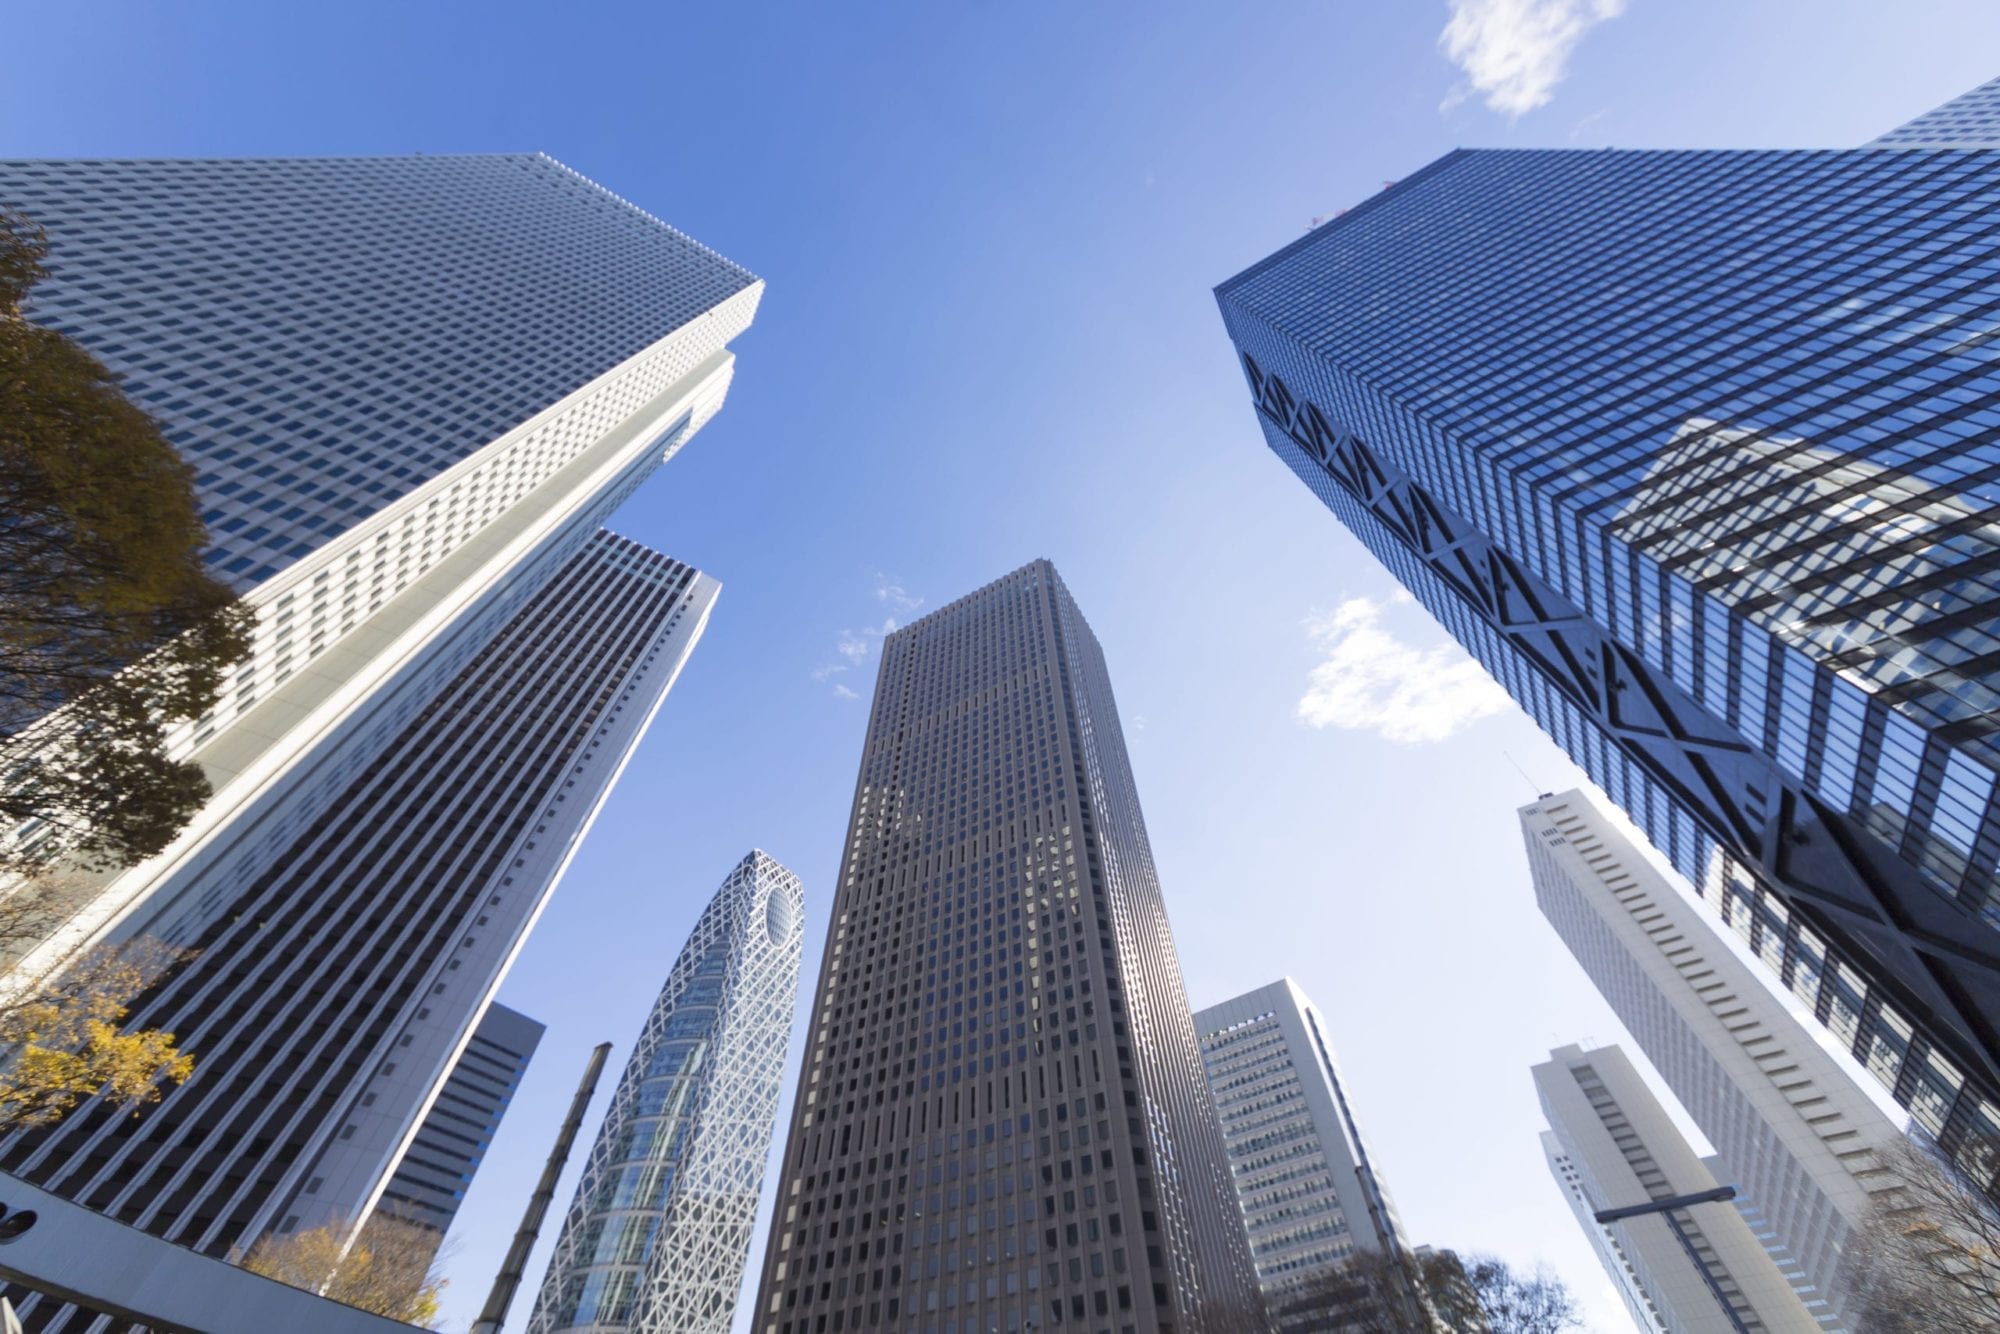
<point>411,391</point>
<point>657,1236</point>
<point>1304,1177</point>
<point>1696,1269</point>
<point>1801,1138</point>
<point>409,387</point>
<point>434,1172</point>
<point>1696,452</point>
<point>1001,1121</point>
<point>331,998</point>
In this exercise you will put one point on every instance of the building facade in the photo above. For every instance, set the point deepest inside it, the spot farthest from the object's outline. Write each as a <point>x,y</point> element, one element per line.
<point>409,388</point>
<point>412,390</point>
<point>1001,1120</point>
<point>658,1234</point>
<point>1698,1269</point>
<point>436,1169</point>
<point>325,1007</point>
<point>1610,1251</point>
<point>1303,1174</point>
<point>1798,1135</point>
<point>1709,488</point>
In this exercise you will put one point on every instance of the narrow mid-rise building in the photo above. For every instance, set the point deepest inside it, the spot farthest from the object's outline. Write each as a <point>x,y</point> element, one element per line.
<point>437,1168</point>
<point>1805,1142</point>
<point>658,1234</point>
<point>1001,1120</point>
<point>1698,1268</point>
<point>1304,1177</point>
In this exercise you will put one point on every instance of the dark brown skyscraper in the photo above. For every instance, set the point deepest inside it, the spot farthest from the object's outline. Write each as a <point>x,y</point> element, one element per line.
<point>1002,1122</point>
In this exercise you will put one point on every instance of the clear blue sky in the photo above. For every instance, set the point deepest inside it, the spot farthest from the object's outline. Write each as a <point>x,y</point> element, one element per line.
<point>990,232</point>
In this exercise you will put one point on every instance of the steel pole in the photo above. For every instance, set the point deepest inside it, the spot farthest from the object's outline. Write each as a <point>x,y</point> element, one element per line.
<point>508,1281</point>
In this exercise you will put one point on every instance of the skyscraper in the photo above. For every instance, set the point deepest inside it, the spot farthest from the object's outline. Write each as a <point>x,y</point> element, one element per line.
<point>1302,1172</point>
<point>1001,1121</point>
<point>657,1236</point>
<point>1610,1251</point>
<point>1696,452</point>
<point>1698,1268</point>
<point>409,388</point>
<point>412,390</point>
<point>432,1175</point>
<point>1797,1134</point>
<point>328,1001</point>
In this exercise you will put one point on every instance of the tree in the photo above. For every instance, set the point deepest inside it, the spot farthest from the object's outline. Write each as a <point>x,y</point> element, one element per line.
<point>1371,1292</point>
<point>1930,1252</point>
<point>111,628</point>
<point>62,1034</point>
<point>391,1268</point>
<point>1517,1303</point>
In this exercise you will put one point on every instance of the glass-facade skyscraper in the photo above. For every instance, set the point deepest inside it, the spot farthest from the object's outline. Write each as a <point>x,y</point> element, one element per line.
<point>412,391</point>
<point>1699,453</point>
<point>1001,1120</point>
<point>657,1236</point>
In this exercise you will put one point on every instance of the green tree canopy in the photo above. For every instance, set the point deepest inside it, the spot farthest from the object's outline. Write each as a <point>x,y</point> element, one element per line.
<point>111,628</point>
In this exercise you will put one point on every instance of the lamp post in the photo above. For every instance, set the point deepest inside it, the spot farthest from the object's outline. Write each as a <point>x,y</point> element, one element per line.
<point>1665,1209</point>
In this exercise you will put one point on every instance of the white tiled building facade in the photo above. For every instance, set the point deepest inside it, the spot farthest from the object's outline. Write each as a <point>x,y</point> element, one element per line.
<point>412,390</point>
<point>1303,1174</point>
<point>1615,1146</point>
<point>409,387</point>
<point>1798,1135</point>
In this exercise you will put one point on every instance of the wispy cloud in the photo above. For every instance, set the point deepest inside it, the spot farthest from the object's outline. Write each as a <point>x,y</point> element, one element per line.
<point>851,648</point>
<point>1515,52</point>
<point>1371,681</point>
<point>894,596</point>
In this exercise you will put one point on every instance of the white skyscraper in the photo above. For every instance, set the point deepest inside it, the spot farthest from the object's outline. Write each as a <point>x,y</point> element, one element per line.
<point>412,390</point>
<point>1303,1175</point>
<point>1798,1136</point>
<point>1694,1270</point>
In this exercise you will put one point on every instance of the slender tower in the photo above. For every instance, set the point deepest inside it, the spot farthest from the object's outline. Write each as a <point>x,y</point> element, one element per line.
<point>1697,452</point>
<point>1695,1269</point>
<point>657,1236</point>
<point>1001,1120</point>
<point>1796,1133</point>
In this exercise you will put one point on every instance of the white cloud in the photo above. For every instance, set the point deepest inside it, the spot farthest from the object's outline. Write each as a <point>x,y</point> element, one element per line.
<point>852,647</point>
<point>894,596</point>
<point>1371,681</point>
<point>1515,52</point>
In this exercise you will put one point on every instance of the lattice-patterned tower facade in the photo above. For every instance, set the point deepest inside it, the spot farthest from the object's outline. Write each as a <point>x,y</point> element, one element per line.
<point>1699,454</point>
<point>658,1234</point>
<point>1002,1121</point>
